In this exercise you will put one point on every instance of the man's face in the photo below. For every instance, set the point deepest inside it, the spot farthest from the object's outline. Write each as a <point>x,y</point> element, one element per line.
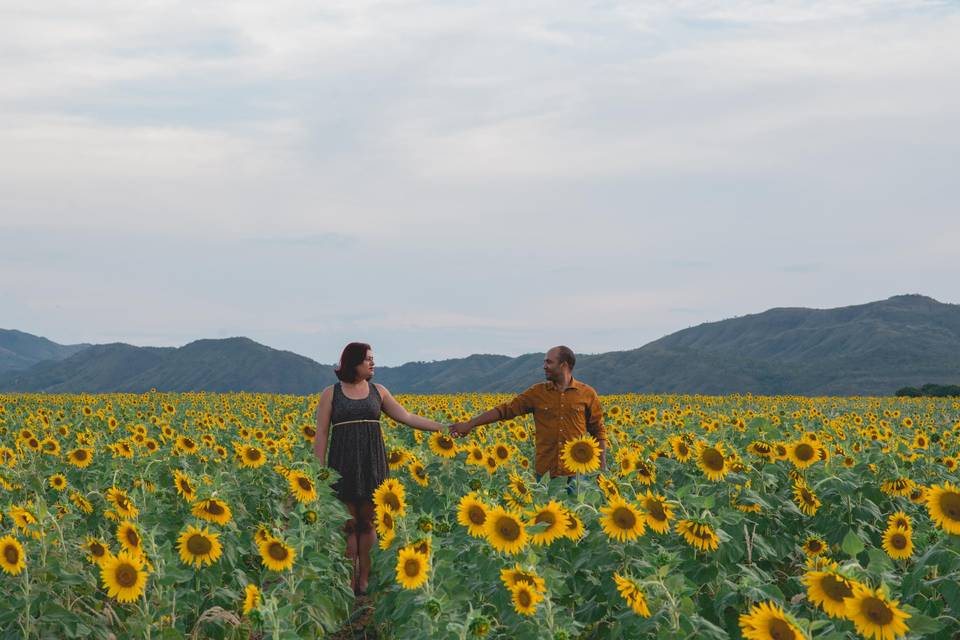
<point>553,369</point>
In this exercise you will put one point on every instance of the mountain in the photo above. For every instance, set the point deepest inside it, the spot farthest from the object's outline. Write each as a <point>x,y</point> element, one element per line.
<point>19,350</point>
<point>868,349</point>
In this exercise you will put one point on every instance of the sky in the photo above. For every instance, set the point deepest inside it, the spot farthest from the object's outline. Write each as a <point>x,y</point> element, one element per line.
<point>447,178</point>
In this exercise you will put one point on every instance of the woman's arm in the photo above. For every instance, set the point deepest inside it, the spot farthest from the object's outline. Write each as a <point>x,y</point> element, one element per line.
<point>396,411</point>
<point>324,408</point>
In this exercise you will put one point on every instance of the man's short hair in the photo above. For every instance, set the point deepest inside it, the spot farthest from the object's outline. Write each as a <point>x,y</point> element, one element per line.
<point>565,354</point>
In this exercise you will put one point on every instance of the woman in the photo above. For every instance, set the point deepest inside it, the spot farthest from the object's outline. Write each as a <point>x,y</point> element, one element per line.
<point>353,407</point>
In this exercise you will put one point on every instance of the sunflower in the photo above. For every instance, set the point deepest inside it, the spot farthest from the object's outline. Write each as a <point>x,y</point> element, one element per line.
<point>396,459</point>
<point>525,598</point>
<point>81,458</point>
<point>391,495</point>
<point>302,487</point>
<point>608,486</point>
<point>212,510</point>
<point>472,514</point>
<point>712,461</point>
<point>900,520</point>
<point>814,546</point>
<point>419,473</point>
<point>516,574</point>
<point>184,486</point>
<point>681,449</point>
<point>385,522</point>
<point>575,528</point>
<point>199,546</point>
<point>501,451</point>
<point>505,530</point>
<point>96,549</point>
<point>123,576</point>
<point>12,559</point>
<point>874,615</point>
<point>122,503</point>
<point>251,457</point>
<point>633,595</point>
<point>57,481</point>
<point>556,520</point>
<point>129,537</point>
<point>829,590</point>
<point>413,568</point>
<point>898,543</point>
<point>186,444</point>
<point>475,455</point>
<point>581,455</point>
<point>656,511</point>
<point>251,598</point>
<point>442,445</point>
<point>622,521</point>
<point>804,453</point>
<point>276,555</point>
<point>943,504</point>
<point>81,502</point>
<point>519,487</point>
<point>767,621</point>
<point>805,498</point>
<point>898,487</point>
<point>699,535</point>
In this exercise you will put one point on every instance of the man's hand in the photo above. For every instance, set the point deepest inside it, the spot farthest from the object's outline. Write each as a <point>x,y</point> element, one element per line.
<point>459,429</point>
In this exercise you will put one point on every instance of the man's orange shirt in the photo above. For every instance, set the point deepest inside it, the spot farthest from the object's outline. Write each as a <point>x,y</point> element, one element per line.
<point>559,416</point>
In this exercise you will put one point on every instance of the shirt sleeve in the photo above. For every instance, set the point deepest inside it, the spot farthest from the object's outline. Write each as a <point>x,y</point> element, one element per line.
<point>519,406</point>
<point>595,424</point>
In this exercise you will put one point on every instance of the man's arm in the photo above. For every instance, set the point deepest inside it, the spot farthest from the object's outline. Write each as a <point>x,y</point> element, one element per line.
<point>520,405</point>
<point>596,428</point>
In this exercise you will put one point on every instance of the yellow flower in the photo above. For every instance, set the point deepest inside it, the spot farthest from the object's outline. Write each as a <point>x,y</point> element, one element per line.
<point>513,575</point>
<point>505,530</point>
<point>767,621</point>
<point>302,487</point>
<point>829,590</point>
<point>251,598</point>
<point>943,504</point>
<point>699,535</point>
<point>525,598</point>
<point>276,555</point>
<point>391,495</point>
<point>199,546</point>
<point>129,537</point>
<point>898,543</point>
<point>633,595</point>
<point>12,559</point>
<point>123,576</point>
<point>581,455</point>
<point>712,461</point>
<point>622,521</point>
<point>804,453</point>
<point>122,503</point>
<point>472,514</point>
<point>874,615</point>
<point>442,445</point>
<point>413,568</point>
<point>212,510</point>
<point>805,498</point>
<point>657,511</point>
<point>553,515</point>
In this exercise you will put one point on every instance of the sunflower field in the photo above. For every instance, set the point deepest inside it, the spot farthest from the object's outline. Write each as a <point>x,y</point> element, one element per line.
<point>207,516</point>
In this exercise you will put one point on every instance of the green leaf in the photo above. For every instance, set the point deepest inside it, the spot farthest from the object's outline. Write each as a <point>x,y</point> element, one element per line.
<point>922,625</point>
<point>852,544</point>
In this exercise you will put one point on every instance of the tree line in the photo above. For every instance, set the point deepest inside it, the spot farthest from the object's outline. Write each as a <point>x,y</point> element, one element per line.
<point>931,391</point>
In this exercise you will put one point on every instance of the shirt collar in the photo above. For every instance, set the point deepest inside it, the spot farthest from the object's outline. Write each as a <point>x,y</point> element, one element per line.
<point>574,384</point>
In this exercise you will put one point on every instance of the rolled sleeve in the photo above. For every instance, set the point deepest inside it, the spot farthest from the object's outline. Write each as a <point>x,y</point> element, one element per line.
<point>519,406</point>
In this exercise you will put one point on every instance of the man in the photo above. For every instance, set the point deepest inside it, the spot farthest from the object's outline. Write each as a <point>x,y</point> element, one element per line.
<point>563,409</point>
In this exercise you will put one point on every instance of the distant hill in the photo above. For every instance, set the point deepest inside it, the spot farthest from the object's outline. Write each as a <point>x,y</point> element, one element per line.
<point>19,350</point>
<point>869,349</point>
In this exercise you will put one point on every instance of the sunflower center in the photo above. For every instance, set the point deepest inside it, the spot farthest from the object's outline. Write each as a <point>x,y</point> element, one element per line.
<point>411,567</point>
<point>305,484</point>
<point>835,588</point>
<point>581,452</point>
<point>814,546</point>
<point>253,454</point>
<point>11,554</point>
<point>682,449</point>
<point>392,501</point>
<point>445,443</point>
<point>213,508</point>
<point>199,544</point>
<point>126,575</point>
<point>524,598</point>
<point>133,538</point>
<point>804,452</point>
<point>502,452</point>
<point>655,509</point>
<point>546,516</point>
<point>624,518</point>
<point>476,515</point>
<point>122,502</point>
<point>188,443</point>
<point>80,455</point>
<point>780,630</point>
<point>96,549</point>
<point>277,551</point>
<point>712,459</point>
<point>806,496</point>
<point>877,611</point>
<point>309,431</point>
<point>898,541</point>
<point>508,528</point>
<point>950,505</point>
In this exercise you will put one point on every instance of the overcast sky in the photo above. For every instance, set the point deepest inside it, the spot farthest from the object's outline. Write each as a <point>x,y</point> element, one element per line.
<point>446,178</point>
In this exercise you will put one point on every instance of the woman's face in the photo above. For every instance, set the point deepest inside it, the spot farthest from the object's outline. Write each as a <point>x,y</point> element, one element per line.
<point>365,368</point>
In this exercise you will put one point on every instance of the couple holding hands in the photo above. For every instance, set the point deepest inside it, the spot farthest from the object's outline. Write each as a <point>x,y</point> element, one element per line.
<point>563,409</point>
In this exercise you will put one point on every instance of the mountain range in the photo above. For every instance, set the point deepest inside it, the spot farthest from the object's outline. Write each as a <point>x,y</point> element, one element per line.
<point>867,349</point>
